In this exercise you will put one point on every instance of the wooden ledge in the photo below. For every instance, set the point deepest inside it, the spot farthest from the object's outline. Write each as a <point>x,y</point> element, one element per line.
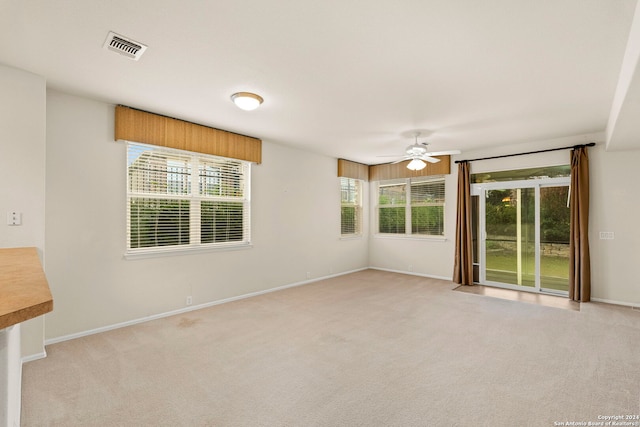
<point>24,291</point>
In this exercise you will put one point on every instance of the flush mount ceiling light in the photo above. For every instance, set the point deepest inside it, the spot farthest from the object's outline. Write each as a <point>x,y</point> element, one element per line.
<point>246,100</point>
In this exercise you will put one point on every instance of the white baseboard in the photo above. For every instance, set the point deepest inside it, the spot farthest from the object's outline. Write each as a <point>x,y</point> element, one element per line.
<point>412,273</point>
<point>190,308</point>
<point>36,356</point>
<point>609,301</point>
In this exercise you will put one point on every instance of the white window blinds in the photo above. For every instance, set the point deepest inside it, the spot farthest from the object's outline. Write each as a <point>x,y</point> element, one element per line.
<point>411,207</point>
<point>392,199</point>
<point>180,200</point>
<point>351,207</point>
<point>427,208</point>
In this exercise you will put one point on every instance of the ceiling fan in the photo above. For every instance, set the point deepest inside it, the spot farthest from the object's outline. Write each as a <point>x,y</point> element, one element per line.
<point>418,154</point>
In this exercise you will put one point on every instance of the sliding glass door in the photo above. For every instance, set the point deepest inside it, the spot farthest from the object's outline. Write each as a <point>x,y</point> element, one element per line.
<point>554,238</point>
<point>523,234</point>
<point>510,236</point>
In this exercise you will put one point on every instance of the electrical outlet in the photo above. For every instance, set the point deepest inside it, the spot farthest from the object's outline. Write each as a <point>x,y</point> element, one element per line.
<point>189,300</point>
<point>308,275</point>
<point>14,218</point>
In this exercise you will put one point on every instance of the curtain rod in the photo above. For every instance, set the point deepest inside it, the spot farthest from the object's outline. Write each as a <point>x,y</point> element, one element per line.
<point>591,144</point>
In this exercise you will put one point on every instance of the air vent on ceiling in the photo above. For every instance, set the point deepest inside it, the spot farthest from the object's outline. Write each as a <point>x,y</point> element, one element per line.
<point>124,46</point>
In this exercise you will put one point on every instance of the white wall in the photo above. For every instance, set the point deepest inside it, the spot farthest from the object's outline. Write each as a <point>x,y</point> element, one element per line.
<point>431,257</point>
<point>295,229</point>
<point>614,204</point>
<point>22,180</point>
<point>22,156</point>
<point>22,189</point>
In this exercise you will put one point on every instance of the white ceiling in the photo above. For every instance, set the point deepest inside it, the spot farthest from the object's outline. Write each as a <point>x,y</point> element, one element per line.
<point>347,78</point>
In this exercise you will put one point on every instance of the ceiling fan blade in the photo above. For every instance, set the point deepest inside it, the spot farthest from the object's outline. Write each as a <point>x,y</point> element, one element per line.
<point>429,159</point>
<point>443,153</point>
<point>404,159</point>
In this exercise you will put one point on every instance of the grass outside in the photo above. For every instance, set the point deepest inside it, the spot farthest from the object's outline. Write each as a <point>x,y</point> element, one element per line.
<point>554,270</point>
<point>549,266</point>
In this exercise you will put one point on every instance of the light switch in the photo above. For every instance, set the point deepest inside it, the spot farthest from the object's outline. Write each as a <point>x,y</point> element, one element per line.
<point>607,235</point>
<point>14,218</point>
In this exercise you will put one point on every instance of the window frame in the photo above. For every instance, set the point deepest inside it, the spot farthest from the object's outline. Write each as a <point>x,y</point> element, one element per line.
<point>407,206</point>
<point>357,205</point>
<point>195,195</point>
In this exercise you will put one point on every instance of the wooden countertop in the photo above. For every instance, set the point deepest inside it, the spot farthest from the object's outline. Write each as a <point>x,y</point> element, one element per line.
<point>24,291</point>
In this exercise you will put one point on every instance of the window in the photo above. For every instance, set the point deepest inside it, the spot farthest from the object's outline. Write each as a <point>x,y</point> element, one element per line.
<point>351,207</point>
<point>180,200</point>
<point>522,174</point>
<point>411,207</point>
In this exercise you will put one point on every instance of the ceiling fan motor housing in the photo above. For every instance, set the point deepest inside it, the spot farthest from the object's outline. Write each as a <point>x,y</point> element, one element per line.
<point>416,150</point>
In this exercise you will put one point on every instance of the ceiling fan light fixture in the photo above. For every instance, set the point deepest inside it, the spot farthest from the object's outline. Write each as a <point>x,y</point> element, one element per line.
<point>416,165</point>
<point>246,100</point>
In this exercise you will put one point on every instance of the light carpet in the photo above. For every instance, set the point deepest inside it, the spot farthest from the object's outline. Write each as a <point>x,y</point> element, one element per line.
<point>371,348</point>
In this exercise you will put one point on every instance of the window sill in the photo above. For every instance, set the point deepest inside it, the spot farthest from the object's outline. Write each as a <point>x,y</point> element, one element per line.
<point>351,237</point>
<point>411,237</point>
<point>155,253</point>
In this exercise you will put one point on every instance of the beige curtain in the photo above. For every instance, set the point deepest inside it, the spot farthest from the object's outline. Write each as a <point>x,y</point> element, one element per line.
<point>579,261</point>
<point>463,264</point>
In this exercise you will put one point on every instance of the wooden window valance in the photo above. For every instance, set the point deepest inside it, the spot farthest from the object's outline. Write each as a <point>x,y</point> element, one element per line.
<point>399,170</point>
<point>148,128</point>
<point>349,169</point>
